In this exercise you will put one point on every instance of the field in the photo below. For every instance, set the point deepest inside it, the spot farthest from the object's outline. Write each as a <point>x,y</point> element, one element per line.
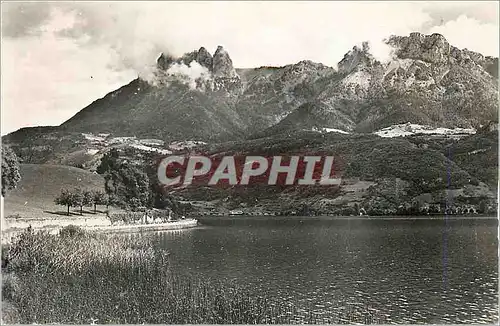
<point>40,184</point>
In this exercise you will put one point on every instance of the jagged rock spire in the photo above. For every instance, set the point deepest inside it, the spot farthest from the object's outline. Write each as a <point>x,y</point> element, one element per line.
<point>222,64</point>
<point>430,48</point>
<point>357,57</point>
<point>204,58</point>
<point>164,61</point>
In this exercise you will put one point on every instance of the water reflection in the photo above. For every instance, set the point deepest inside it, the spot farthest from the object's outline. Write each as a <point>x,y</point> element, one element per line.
<point>394,269</point>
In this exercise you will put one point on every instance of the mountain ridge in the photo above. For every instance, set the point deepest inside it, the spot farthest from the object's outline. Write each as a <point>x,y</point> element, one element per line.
<point>425,80</point>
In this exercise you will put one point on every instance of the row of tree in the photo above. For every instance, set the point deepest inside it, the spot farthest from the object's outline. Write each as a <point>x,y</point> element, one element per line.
<point>80,198</point>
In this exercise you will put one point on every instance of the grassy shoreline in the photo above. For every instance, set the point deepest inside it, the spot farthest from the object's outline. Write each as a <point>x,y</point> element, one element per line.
<point>54,226</point>
<point>80,277</point>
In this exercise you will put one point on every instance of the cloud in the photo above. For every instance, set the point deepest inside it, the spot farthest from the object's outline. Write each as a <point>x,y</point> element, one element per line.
<point>470,33</point>
<point>50,49</point>
<point>21,19</point>
<point>255,33</point>
<point>190,75</point>
<point>381,51</point>
<point>46,78</point>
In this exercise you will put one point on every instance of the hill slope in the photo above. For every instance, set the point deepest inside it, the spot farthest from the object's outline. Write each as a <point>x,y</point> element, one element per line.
<point>41,183</point>
<point>379,174</point>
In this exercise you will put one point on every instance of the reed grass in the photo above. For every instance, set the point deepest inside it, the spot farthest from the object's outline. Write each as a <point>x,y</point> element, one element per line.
<point>77,277</point>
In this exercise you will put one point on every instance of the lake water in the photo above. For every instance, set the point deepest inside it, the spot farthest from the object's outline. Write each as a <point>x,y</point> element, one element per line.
<point>407,271</point>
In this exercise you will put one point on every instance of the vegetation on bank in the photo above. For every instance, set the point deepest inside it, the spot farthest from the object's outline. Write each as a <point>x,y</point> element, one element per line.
<point>10,169</point>
<point>133,185</point>
<point>76,277</point>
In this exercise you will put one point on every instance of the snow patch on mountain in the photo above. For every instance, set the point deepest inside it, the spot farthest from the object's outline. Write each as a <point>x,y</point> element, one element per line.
<point>92,137</point>
<point>180,145</point>
<point>408,129</point>
<point>122,140</point>
<point>327,130</point>
<point>409,81</point>
<point>361,78</point>
<point>405,63</point>
<point>105,141</point>
<point>151,142</point>
<point>150,149</point>
<point>426,83</point>
<point>477,151</point>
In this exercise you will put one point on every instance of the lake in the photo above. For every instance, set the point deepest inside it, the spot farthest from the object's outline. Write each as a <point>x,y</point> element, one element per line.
<point>404,271</point>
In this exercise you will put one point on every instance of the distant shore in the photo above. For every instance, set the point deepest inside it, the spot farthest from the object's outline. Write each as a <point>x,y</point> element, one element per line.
<point>224,220</point>
<point>331,217</point>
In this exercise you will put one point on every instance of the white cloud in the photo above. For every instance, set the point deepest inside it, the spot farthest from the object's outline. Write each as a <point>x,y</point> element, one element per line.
<point>44,81</point>
<point>470,33</point>
<point>189,74</point>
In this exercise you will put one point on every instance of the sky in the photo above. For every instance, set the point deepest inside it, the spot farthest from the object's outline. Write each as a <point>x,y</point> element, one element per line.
<point>58,57</point>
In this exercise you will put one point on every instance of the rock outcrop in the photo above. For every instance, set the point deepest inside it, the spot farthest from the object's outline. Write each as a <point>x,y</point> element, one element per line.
<point>204,58</point>
<point>358,57</point>
<point>222,64</point>
<point>429,48</point>
<point>220,68</point>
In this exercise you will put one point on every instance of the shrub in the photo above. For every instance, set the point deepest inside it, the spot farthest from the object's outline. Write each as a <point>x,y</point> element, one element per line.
<point>10,169</point>
<point>71,231</point>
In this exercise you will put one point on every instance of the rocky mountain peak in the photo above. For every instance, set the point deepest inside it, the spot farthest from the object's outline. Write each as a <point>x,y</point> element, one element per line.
<point>435,49</point>
<point>222,65</point>
<point>432,48</point>
<point>204,58</point>
<point>358,57</point>
<point>164,61</point>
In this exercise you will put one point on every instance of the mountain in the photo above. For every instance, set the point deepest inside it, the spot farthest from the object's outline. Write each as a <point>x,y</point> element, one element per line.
<point>426,82</point>
<point>400,122</point>
<point>202,96</point>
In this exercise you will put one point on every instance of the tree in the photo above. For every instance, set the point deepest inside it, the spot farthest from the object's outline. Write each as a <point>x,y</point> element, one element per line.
<point>10,169</point>
<point>75,198</point>
<point>110,161</point>
<point>96,197</point>
<point>126,183</point>
<point>356,209</point>
<point>65,198</point>
<point>80,199</point>
<point>483,207</point>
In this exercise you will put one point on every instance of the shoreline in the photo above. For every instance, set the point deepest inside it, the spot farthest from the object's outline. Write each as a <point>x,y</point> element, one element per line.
<point>100,224</point>
<point>15,227</point>
<point>177,225</point>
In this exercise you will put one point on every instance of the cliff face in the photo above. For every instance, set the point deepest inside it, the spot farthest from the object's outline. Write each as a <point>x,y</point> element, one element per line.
<point>426,81</point>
